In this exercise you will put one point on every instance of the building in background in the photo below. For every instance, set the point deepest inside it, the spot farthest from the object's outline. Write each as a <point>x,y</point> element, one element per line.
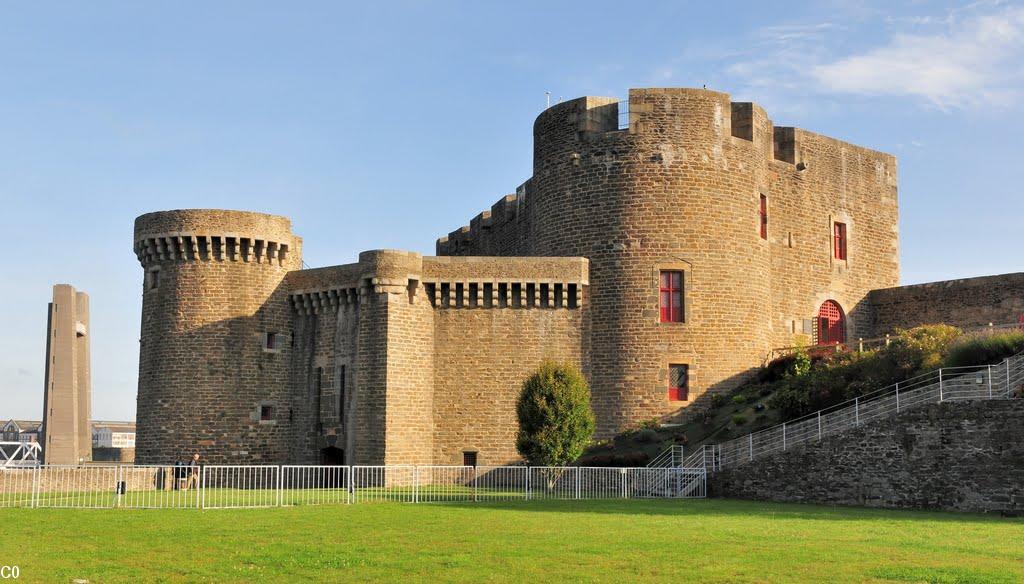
<point>21,431</point>
<point>113,434</point>
<point>113,441</point>
<point>67,394</point>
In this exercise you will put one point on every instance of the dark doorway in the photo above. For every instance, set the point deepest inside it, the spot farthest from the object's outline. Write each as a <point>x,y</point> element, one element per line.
<point>332,456</point>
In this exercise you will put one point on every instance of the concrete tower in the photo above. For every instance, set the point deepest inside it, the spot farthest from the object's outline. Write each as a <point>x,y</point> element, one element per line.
<point>67,438</point>
<point>216,335</point>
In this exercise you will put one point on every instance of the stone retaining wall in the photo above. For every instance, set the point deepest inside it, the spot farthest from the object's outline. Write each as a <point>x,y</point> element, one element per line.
<point>964,456</point>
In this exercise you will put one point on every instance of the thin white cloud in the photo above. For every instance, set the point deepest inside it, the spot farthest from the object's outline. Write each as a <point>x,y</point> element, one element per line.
<point>969,56</point>
<point>975,61</point>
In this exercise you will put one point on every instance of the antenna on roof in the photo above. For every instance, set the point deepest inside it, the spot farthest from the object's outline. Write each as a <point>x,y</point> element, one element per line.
<point>547,95</point>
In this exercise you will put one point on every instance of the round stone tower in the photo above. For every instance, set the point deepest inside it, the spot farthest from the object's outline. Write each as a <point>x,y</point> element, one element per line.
<point>675,191</point>
<point>215,338</point>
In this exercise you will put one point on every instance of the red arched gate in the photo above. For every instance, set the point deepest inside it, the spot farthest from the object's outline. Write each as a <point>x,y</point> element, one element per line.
<point>831,324</point>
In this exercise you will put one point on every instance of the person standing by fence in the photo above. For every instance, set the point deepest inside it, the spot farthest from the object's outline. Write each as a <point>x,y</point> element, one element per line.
<point>193,472</point>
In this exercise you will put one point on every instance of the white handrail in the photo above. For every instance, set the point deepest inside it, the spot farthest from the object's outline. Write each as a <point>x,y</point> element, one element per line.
<point>981,382</point>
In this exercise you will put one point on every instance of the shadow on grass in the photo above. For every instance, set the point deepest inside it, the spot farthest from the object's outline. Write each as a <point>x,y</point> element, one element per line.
<point>732,507</point>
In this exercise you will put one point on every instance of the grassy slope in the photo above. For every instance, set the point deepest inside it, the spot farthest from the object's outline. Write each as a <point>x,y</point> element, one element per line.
<point>718,427</point>
<point>612,541</point>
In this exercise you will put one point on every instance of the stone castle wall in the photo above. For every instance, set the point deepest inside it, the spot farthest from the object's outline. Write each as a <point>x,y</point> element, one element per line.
<point>970,302</point>
<point>212,288</point>
<point>484,353</point>
<point>959,456</point>
<point>434,351</point>
<point>400,358</point>
<point>680,189</point>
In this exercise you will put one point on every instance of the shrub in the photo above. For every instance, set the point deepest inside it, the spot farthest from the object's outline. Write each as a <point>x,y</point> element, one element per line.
<point>800,364</point>
<point>717,400</point>
<point>835,377</point>
<point>922,348</point>
<point>647,435</point>
<point>739,399</point>
<point>987,350</point>
<point>555,419</point>
<point>651,423</point>
<point>775,369</point>
<point>739,419</point>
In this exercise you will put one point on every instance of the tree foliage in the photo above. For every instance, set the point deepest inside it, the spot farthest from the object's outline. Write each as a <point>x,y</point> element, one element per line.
<point>555,419</point>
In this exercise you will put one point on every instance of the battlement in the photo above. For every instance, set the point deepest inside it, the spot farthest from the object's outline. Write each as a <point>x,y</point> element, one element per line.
<point>447,282</point>
<point>702,114</point>
<point>215,235</point>
<point>507,210</point>
<point>659,126</point>
<point>194,247</point>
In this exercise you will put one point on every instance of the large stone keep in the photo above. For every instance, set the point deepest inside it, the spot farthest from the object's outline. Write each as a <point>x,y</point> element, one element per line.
<point>756,236</point>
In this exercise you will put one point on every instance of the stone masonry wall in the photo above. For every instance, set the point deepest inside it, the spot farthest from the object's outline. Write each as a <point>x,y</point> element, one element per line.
<point>212,289</point>
<point>680,190</point>
<point>971,302</point>
<point>962,456</point>
<point>435,351</point>
<point>482,359</point>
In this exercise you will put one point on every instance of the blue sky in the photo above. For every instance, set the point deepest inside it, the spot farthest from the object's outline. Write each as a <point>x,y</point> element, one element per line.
<point>389,124</point>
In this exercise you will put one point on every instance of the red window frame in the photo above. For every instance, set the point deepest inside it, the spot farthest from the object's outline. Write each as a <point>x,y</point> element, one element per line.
<point>839,240</point>
<point>678,382</point>
<point>670,295</point>
<point>764,217</point>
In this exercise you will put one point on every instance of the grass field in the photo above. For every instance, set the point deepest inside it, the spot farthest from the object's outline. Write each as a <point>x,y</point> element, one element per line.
<point>610,541</point>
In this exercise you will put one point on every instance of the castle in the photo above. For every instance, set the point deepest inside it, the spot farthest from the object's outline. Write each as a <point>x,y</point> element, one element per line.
<point>665,245</point>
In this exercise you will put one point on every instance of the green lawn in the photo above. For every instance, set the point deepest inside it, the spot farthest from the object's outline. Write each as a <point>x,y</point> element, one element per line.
<point>610,541</point>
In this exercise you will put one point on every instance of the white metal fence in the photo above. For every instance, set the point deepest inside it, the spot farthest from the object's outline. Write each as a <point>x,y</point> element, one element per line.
<point>231,486</point>
<point>1002,381</point>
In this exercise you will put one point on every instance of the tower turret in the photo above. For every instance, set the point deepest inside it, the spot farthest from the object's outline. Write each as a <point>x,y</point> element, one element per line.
<point>215,335</point>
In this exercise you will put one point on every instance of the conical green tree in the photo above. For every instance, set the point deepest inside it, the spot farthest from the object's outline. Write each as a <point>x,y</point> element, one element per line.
<point>555,419</point>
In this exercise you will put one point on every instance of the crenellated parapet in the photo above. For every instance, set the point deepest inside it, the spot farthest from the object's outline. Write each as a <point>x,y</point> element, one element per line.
<point>216,235</point>
<point>445,282</point>
<point>320,301</point>
<point>505,282</point>
<point>220,248</point>
<point>489,229</point>
<point>525,294</point>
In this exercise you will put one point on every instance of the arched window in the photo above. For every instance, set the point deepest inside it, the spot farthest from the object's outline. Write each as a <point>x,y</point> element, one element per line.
<point>831,324</point>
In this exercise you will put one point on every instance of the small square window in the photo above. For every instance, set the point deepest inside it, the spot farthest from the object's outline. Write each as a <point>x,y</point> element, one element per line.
<point>154,279</point>
<point>266,413</point>
<point>469,458</point>
<point>271,342</point>
<point>678,382</point>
